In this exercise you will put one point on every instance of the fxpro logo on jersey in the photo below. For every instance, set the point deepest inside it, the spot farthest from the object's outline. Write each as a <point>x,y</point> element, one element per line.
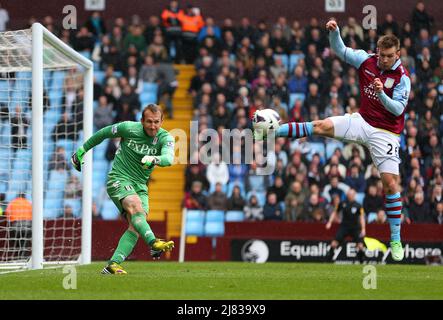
<point>142,148</point>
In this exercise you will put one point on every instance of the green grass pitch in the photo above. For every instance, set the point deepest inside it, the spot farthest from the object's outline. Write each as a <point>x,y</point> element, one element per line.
<point>229,281</point>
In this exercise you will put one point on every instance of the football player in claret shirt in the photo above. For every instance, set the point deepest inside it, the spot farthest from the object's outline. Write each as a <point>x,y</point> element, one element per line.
<point>144,145</point>
<point>384,92</point>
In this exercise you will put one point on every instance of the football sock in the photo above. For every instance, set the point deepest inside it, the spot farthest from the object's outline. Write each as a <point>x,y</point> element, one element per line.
<point>296,129</point>
<point>125,246</point>
<point>140,224</point>
<point>393,207</point>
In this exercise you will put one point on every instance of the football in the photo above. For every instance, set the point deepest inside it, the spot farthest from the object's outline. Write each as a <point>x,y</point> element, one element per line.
<point>266,119</point>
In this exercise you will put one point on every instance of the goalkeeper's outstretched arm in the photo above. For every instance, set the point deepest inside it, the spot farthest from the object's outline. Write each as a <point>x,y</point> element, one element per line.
<point>111,131</point>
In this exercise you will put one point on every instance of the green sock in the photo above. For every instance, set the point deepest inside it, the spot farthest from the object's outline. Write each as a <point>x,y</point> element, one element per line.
<point>125,246</point>
<point>140,224</point>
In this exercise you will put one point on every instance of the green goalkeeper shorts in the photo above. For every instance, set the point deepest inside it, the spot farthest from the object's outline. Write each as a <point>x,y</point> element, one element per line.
<point>119,189</point>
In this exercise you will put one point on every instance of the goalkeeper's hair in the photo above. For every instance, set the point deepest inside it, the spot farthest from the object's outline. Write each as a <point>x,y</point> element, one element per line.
<point>154,108</point>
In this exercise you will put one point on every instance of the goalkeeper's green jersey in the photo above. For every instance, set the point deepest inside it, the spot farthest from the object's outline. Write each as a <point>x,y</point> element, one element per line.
<point>134,145</point>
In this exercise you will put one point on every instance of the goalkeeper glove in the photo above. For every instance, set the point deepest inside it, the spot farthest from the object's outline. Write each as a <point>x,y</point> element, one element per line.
<point>149,162</point>
<point>77,158</point>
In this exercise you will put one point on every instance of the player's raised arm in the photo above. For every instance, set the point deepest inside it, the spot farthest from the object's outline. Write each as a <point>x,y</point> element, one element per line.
<point>112,131</point>
<point>349,55</point>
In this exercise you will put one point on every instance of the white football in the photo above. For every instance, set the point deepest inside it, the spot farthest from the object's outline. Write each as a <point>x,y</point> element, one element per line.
<point>266,119</point>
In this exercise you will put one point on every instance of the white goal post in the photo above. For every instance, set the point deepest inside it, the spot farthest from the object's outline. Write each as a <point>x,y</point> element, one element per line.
<point>37,57</point>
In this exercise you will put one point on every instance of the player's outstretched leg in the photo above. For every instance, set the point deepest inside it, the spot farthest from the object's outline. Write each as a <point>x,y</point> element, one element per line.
<point>301,129</point>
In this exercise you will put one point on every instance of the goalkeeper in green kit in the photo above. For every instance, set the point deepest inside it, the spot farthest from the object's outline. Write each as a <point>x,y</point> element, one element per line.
<point>143,146</point>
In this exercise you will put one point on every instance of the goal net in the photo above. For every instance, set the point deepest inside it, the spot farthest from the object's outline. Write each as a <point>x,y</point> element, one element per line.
<point>45,101</point>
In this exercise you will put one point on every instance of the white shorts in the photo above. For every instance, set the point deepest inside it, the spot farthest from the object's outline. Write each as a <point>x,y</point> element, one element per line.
<point>382,145</point>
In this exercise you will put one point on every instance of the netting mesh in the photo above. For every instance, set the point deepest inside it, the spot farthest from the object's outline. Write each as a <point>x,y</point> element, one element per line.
<point>63,124</point>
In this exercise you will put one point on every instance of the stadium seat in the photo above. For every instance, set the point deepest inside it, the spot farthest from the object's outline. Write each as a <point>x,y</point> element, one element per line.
<point>360,197</point>
<point>294,97</point>
<point>316,147</point>
<point>234,216</point>
<point>150,87</point>
<point>4,91</point>
<point>293,61</point>
<point>109,210</point>
<point>231,186</point>
<point>194,228</point>
<point>214,229</point>
<point>256,183</point>
<point>284,59</point>
<point>195,215</point>
<point>100,77</point>
<point>58,78</point>
<point>52,208</point>
<point>3,184</point>
<point>215,216</point>
<point>57,180</point>
<point>147,97</point>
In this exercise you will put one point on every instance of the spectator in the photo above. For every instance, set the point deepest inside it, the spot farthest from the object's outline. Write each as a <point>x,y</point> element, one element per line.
<point>437,214</point>
<point>217,171</point>
<point>58,160</point>
<point>335,187</point>
<point>218,199</point>
<point>167,84</point>
<point>170,21</point>
<point>149,70</point>
<point>135,40</point>
<point>272,209</point>
<point>96,25</point>
<point>19,217</point>
<point>68,213</point>
<point>73,188</point>
<point>380,217</point>
<point>4,19</point>
<point>84,40</point>
<point>253,211</point>
<point>236,201</point>
<point>279,189</point>
<point>19,128</point>
<point>420,18</point>
<point>194,172</point>
<point>191,24</point>
<point>103,113</point>
<point>372,202</point>
<point>157,50</point>
<point>356,179</point>
<point>419,210</point>
<point>65,129</point>
<point>314,210</point>
<point>195,199</point>
<point>297,195</point>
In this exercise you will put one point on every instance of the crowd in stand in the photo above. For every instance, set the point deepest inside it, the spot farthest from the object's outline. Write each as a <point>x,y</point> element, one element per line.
<point>287,66</point>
